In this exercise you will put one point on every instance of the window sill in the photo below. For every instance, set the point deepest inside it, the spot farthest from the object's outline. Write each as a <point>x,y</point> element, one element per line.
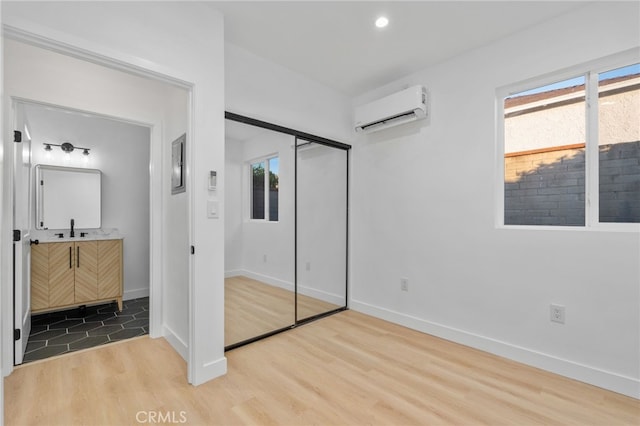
<point>601,227</point>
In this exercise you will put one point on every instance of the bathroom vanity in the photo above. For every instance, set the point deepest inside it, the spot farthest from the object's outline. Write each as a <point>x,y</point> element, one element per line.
<point>72,267</point>
<point>69,272</point>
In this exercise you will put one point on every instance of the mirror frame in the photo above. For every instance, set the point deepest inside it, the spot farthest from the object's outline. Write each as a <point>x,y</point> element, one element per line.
<point>41,208</point>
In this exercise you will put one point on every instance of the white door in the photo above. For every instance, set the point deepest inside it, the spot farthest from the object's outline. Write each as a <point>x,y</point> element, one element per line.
<point>22,247</point>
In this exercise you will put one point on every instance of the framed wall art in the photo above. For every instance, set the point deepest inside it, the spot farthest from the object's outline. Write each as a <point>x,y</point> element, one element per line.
<point>178,172</point>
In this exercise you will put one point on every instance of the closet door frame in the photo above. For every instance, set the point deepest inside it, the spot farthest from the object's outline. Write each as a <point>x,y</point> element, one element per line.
<point>307,137</point>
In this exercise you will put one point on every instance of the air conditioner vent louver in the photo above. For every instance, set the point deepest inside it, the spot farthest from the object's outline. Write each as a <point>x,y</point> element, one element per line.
<point>399,108</point>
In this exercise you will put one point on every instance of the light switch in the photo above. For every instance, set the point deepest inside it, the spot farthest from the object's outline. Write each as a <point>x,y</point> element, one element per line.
<point>213,180</point>
<point>212,209</point>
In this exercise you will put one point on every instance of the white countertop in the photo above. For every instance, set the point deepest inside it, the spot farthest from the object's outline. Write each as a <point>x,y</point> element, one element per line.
<point>49,236</point>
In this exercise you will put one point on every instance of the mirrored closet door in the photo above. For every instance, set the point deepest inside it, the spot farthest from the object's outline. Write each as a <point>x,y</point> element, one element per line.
<point>259,232</point>
<point>321,229</point>
<point>285,228</point>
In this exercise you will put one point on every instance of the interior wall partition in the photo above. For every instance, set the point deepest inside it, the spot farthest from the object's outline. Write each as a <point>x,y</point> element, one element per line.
<point>286,228</point>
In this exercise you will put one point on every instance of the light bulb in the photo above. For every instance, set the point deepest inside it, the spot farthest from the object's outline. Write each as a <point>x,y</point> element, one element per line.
<point>382,22</point>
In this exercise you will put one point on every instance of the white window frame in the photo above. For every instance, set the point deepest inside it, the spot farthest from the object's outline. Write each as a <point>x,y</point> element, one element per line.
<point>249,172</point>
<point>592,174</point>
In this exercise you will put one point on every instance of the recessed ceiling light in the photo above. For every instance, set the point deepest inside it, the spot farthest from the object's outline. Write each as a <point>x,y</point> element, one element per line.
<point>382,22</point>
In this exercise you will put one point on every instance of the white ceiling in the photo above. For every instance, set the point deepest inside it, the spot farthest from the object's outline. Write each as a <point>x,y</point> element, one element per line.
<point>337,44</point>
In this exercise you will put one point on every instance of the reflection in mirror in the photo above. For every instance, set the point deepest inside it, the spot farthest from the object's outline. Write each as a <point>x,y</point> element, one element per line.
<point>65,193</point>
<point>321,228</point>
<point>259,232</point>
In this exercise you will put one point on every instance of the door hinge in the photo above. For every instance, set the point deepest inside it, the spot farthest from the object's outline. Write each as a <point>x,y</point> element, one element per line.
<point>17,136</point>
<point>193,250</point>
<point>16,334</point>
<point>17,235</point>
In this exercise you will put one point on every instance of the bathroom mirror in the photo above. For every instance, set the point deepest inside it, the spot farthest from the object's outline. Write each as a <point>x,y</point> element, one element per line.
<point>65,193</point>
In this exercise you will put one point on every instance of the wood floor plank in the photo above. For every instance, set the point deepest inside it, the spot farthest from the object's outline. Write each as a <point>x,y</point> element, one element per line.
<point>347,369</point>
<point>253,308</point>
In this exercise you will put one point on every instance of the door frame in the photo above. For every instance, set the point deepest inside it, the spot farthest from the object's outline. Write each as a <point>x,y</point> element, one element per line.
<point>155,214</point>
<point>299,135</point>
<point>156,184</point>
<point>21,248</point>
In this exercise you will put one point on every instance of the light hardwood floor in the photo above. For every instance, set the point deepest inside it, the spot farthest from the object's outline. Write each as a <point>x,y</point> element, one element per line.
<point>253,308</point>
<point>347,369</point>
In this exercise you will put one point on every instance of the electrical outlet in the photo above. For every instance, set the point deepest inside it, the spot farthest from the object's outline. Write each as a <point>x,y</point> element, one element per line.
<point>264,258</point>
<point>404,284</point>
<point>308,266</point>
<point>557,313</point>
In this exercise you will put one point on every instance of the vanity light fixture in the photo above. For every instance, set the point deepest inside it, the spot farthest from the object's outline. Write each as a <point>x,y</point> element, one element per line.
<point>67,147</point>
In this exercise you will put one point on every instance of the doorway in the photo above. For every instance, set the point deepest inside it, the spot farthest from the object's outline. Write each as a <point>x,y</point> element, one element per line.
<point>286,229</point>
<point>56,328</point>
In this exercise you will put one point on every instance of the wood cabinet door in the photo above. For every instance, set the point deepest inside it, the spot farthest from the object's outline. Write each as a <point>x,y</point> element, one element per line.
<point>109,268</point>
<point>39,276</point>
<point>61,274</point>
<point>86,270</point>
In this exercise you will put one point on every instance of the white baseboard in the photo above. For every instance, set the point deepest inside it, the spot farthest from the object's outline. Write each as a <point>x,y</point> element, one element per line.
<point>177,343</point>
<point>605,379</point>
<point>233,273</point>
<point>276,282</point>
<point>209,371</point>
<point>135,293</point>
<point>336,299</point>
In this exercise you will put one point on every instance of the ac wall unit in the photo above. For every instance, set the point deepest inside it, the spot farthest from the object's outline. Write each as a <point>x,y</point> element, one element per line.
<point>401,107</point>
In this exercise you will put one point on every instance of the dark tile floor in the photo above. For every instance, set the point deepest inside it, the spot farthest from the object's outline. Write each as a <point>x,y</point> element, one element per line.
<point>56,333</point>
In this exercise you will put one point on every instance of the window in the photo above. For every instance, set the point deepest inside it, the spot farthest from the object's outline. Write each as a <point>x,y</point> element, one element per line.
<point>572,150</point>
<point>264,189</point>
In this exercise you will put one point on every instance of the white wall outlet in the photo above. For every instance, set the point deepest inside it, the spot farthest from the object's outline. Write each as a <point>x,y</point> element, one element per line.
<point>307,266</point>
<point>557,313</point>
<point>404,284</point>
<point>264,258</point>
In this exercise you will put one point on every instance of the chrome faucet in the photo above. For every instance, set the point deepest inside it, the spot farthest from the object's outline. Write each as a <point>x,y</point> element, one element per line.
<point>72,234</point>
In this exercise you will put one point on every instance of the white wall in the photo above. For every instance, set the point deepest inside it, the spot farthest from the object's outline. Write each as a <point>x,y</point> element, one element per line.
<point>120,151</point>
<point>321,177</point>
<point>4,259</point>
<point>181,43</point>
<point>266,238</point>
<point>424,198</point>
<point>261,89</point>
<point>322,223</point>
<point>175,233</point>
<point>233,261</point>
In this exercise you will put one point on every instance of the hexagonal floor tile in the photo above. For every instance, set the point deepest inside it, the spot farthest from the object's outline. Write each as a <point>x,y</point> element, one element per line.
<point>85,326</point>
<point>136,323</point>
<point>100,317</point>
<point>132,310</point>
<point>65,339</point>
<point>105,329</point>
<point>118,320</point>
<point>32,345</point>
<point>49,334</point>
<point>126,334</point>
<point>55,333</point>
<point>65,323</point>
<point>46,352</point>
<point>143,314</point>
<point>89,342</point>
